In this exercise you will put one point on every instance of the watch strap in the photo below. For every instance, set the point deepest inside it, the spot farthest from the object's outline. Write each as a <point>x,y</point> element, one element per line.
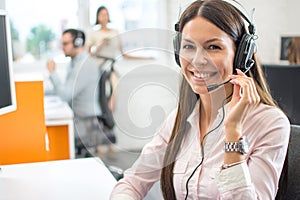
<point>241,146</point>
<point>232,147</point>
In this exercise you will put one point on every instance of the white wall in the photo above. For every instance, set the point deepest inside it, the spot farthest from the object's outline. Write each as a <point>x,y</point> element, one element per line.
<point>2,4</point>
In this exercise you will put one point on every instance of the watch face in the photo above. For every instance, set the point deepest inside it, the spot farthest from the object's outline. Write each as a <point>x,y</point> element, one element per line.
<point>243,145</point>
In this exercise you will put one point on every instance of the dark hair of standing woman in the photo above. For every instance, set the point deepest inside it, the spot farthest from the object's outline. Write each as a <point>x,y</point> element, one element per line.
<point>97,13</point>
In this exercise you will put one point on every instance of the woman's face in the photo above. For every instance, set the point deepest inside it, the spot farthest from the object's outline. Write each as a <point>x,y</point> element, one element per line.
<point>103,17</point>
<point>206,54</point>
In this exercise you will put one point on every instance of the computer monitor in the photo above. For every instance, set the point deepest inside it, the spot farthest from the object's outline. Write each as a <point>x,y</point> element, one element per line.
<point>7,84</point>
<point>285,42</point>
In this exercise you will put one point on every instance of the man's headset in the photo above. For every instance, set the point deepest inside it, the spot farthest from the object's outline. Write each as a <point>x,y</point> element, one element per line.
<point>79,39</point>
<point>245,50</point>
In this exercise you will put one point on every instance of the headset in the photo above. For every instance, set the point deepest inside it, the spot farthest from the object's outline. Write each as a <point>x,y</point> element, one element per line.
<point>79,39</point>
<point>244,54</point>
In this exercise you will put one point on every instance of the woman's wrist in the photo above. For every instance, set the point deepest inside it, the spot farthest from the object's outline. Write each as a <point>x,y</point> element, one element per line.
<point>232,134</point>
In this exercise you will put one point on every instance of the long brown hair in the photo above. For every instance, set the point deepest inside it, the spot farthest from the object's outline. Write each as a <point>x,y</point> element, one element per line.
<point>294,51</point>
<point>228,19</point>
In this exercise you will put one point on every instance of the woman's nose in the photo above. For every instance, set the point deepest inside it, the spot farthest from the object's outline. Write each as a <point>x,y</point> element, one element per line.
<point>200,58</point>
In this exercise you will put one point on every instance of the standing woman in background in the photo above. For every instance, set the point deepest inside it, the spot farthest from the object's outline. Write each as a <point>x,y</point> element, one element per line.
<point>105,41</point>
<point>294,51</point>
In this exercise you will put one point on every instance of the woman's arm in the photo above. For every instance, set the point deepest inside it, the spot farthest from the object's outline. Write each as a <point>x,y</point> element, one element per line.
<point>139,179</point>
<point>254,175</point>
<point>258,176</point>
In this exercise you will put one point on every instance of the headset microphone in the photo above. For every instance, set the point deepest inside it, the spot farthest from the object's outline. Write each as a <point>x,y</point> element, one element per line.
<point>215,86</point>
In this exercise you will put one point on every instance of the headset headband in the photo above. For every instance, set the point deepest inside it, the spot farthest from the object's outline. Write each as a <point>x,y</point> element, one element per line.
<point>237,5</point>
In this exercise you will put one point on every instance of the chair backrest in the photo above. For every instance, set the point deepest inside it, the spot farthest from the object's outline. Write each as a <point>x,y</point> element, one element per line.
<point>283,81</point>
<point>105,93</point>
<point>293,181</point>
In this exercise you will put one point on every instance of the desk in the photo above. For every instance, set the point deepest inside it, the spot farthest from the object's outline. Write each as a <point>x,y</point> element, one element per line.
<point>76,179</point>
<point>60,128</point>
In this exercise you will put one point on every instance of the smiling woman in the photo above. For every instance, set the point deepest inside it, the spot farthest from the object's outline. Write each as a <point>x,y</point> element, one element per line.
<point>201,150</point>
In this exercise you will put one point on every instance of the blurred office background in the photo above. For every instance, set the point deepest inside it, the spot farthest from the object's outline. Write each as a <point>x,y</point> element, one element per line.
<point>147,90</point>
<point>37,25</point>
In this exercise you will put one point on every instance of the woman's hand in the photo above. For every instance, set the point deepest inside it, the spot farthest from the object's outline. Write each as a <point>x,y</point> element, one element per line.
<point>244,97</point>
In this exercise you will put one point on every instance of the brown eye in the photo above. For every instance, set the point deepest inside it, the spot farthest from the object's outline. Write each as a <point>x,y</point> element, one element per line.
<point>214,47</point>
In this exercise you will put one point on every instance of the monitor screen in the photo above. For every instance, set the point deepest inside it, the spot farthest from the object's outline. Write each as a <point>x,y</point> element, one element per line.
<point>7,85</point>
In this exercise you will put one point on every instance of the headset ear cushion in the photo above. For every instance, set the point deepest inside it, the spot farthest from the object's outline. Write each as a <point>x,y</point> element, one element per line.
<point>176,45</point>
<point>78,42</point>
<point>244,54</point>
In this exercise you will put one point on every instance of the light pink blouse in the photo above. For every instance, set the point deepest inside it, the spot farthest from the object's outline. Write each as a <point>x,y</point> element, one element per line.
<point>267,130</point>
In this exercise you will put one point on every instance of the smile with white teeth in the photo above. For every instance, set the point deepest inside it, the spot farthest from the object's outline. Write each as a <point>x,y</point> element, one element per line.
<point>201,75</point>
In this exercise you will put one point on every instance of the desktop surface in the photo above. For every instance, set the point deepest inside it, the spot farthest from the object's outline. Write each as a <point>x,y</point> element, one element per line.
<point>56,109</point>
<point>86,178</point>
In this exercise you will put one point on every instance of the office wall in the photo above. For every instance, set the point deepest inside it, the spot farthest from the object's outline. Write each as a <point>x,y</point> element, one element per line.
<point>2,4</point>
<point>145,94</point>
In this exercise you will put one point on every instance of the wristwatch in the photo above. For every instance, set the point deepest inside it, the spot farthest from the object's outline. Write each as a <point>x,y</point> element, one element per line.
<point>241,146</point>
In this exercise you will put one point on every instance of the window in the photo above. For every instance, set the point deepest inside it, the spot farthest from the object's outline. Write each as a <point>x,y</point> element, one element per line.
<point>128,15</point>
<point>37,27</point>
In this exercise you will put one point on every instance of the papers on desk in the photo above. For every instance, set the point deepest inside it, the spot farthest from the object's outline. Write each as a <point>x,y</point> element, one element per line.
<point>53,101</point>
<point>55,108</point>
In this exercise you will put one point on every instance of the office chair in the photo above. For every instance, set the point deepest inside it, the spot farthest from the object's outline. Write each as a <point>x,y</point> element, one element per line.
<point>283,81</point>
<point>105,93</point>
<point>105,120</point>
<point>292,191</point>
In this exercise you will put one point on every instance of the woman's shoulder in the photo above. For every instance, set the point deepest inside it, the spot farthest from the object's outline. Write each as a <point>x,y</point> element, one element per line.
<point>268,113</point>
<point>265,126</point>
<point>266,118</point>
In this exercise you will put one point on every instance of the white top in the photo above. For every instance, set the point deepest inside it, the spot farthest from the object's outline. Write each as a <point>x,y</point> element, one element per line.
<point>96,37</point>
<point>267,130</point>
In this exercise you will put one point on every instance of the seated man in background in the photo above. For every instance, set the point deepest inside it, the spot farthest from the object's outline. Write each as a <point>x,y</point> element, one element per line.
<point>79,89</point>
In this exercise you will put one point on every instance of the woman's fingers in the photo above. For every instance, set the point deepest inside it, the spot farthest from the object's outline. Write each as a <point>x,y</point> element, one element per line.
<point>246,90</point>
